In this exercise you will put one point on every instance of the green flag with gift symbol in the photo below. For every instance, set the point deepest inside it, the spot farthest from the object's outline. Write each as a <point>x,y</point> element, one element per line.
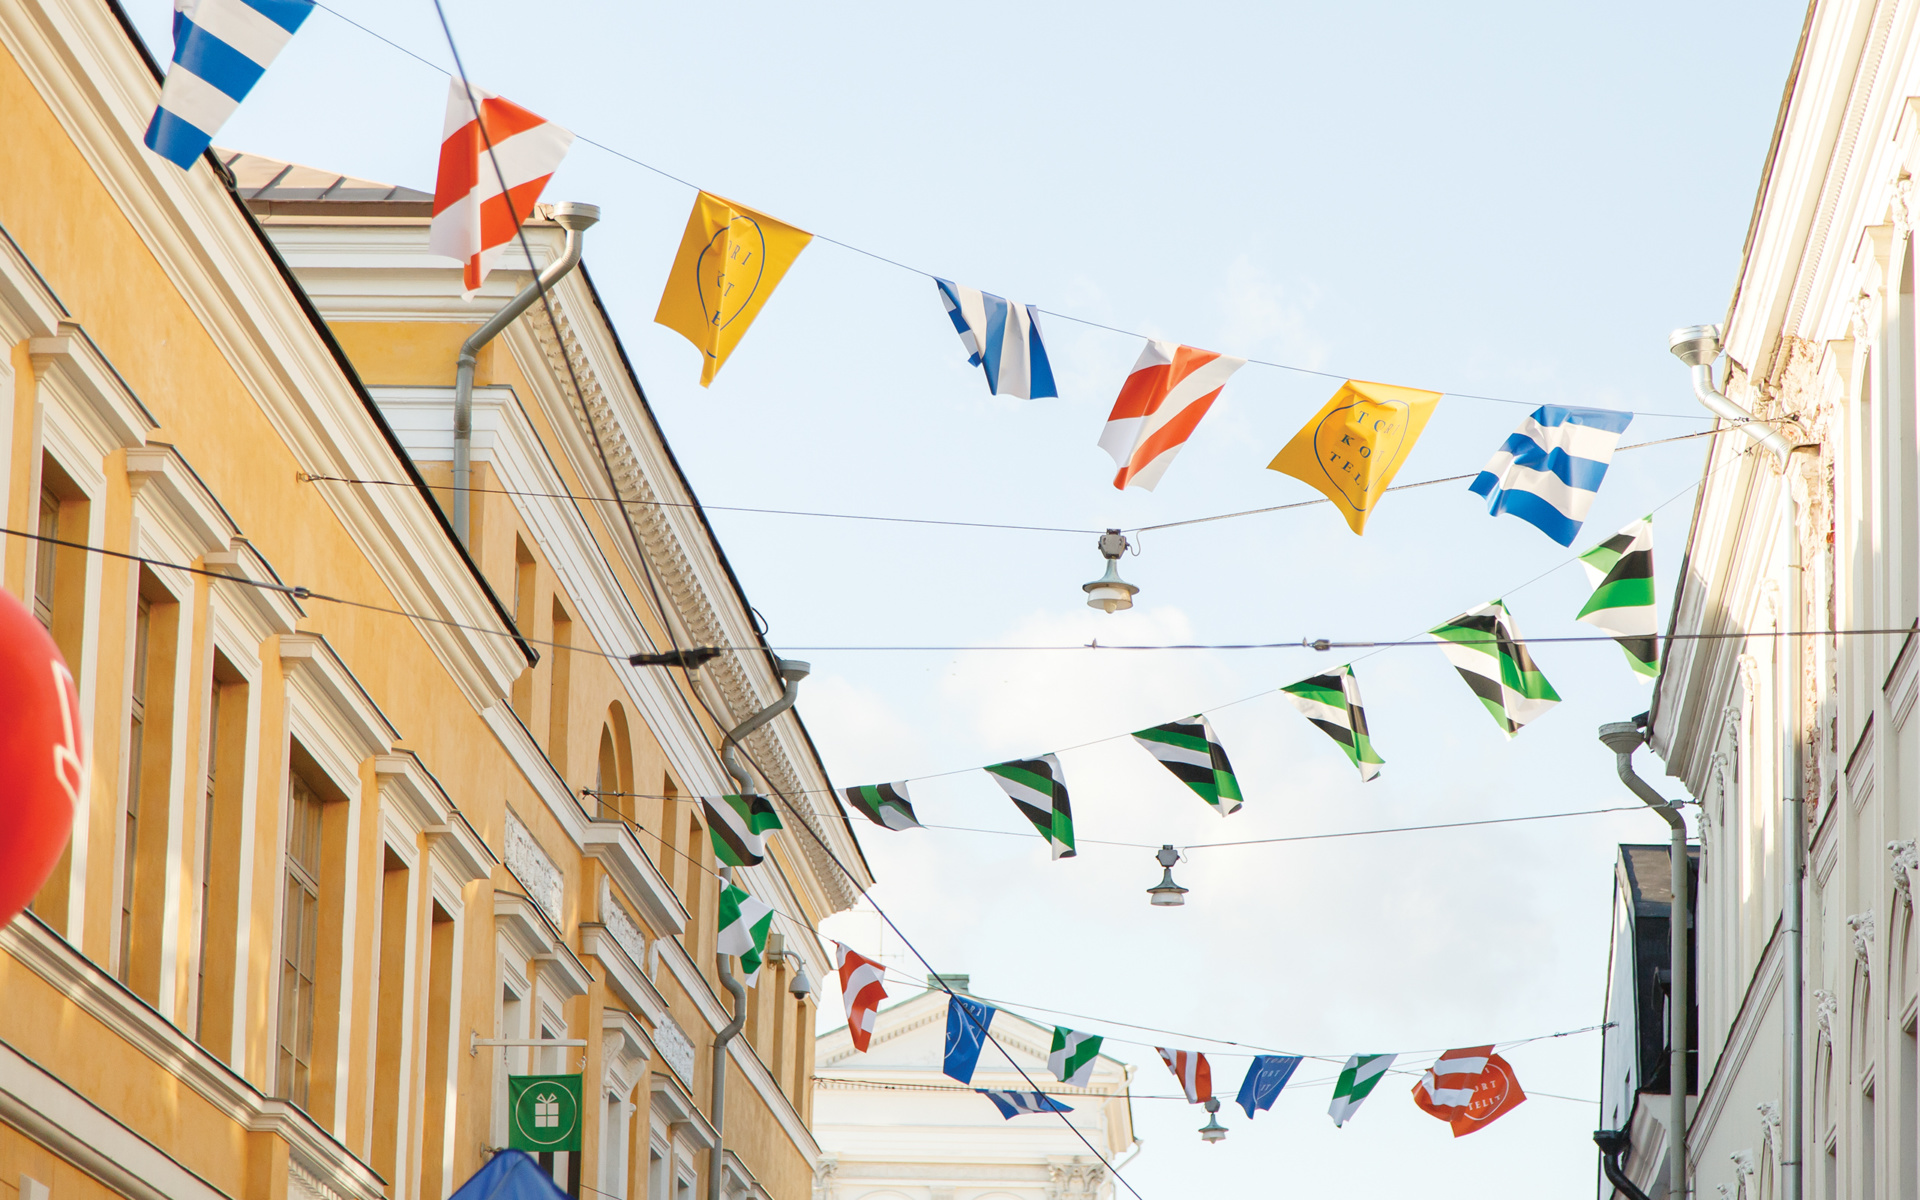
<point>543,1113</point>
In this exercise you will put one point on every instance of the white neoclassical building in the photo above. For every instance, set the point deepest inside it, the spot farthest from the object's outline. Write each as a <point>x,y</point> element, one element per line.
<point>892,1127</point>
<point>1787,712</point>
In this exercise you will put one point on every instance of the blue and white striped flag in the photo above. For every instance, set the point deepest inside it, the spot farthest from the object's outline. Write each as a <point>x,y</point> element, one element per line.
<point>1020,1104</point>
<point>220,50</point>
<point>1001,338</point>
<point>1548,471</point>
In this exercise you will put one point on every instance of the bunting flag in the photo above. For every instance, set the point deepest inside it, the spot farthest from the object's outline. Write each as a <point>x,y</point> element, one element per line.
<point>1190,1068</point>
<point>1073,1056</point>
<point>1332,701</point>
<point>1548,471</point>
<point>862,989</point>
<point>1469,1089</point>
<point>1355,444</point>
<point>1039,790</point>
<point>1002,339</point>
<point>1622,604</point>
<point>967,1025</point>
<point>220,50</point>
<point>1020,1104</point>
<point>738,825</point>
<point>1484,645</point>
<point>1190,750</point>
<point>744,923</point>
<point>730,260</point>
<point>493,166</point>
<point>1265,1077</point>
<point>1169,390</point>
<point>885,804</point>
<point>1358,1078</point>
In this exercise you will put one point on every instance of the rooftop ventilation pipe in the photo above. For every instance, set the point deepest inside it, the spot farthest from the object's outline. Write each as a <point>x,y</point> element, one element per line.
<point>1697,346</point>
<point>576,219</point>
<point>1623,738</point>
<point>792,672</point>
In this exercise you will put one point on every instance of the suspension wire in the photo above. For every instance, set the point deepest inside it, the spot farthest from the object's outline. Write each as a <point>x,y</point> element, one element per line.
<point>894,262</point>
<point>840,516</point>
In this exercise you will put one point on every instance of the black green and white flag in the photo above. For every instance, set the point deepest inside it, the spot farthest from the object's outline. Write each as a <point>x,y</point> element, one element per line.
<point>885,804</point>
<point>1039,790</point>
<point>1622,604</point>
<point>739,827</point>
<point>1072,1058</point>
<point>744,924</point>
<point>1332,701</point>
<point>1486,648</point>
<point>1361,1075</point>
<point>1189,749</point>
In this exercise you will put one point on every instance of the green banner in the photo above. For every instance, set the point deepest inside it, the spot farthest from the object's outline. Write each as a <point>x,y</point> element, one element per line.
<point>543,1112</point>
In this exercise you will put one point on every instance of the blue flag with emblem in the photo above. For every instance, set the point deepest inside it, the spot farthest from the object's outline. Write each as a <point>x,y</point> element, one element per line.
<point>220,50</point>
<point>509,1175</point>
<point>1265,1077</point>
<point>967,1022</point>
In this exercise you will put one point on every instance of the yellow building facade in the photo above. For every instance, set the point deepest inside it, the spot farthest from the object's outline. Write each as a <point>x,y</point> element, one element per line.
<point>361,798</point>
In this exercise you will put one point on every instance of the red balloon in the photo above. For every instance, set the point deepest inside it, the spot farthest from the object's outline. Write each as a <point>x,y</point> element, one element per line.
<point>40,756</point>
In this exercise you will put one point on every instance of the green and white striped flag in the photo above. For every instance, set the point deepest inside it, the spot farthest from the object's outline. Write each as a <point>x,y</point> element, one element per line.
<point>885,804</point>
<point>1072,1058</point>
<point>1357,1081</point>
<point>744,923</point>
<point>1332,701</point>
<point>1189,749</point>
<point>1486,648</point>
<point>1622,604</point>
<point>739,827</point>
<point>1039,790</point>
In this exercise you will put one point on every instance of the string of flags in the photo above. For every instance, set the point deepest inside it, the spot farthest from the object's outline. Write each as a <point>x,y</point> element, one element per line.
<point>1467,1088</point>
<point>496,158</point>
<point>1484,644</point>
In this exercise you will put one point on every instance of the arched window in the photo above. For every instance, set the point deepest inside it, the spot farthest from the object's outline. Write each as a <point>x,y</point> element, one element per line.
<point>606,779</point>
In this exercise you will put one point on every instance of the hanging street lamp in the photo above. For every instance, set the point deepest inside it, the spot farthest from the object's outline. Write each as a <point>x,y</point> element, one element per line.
<point>1213,1130</point>
<point>1167,893</point>
<point>1110,593</point>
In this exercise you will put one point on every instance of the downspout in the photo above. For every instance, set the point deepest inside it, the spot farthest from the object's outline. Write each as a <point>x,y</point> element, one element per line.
<point>576,219</point>
<point>1698,346</point>
<point>1623,738</point>
<point>791,673</point>
<point>1613,1143</point>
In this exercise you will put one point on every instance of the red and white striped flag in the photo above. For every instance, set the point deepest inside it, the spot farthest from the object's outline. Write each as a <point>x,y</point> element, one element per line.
<point>473,218</point>
<point>1468,1089</point>
<point>1190,1068</point>
<point>861,988</point>
<point>1170,389</point>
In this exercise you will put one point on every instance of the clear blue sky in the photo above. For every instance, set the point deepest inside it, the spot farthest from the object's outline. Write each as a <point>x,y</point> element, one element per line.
<point>1514,200</point>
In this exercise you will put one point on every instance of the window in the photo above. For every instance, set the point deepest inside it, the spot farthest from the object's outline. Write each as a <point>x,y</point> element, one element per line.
<point>656,1174</point>
<point>1909,1114</point>
<point>43,558</point>
<point>300,942</point>
<point>606,780</point>
<point>559,687</point>
<point>439,1081</point>
<point>136,743</point>
<point>1868,1168</point>
<point>525,579</point>
<point>220,819</point>
<point>389,990</point>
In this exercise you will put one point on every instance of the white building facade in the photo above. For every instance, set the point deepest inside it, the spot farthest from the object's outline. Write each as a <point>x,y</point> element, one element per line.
<point>1788,714</point>
<point>891,1126</point>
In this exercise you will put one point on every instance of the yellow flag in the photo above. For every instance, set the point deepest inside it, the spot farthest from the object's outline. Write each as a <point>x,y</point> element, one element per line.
<point>730,260</point>
<point>1356,442</point>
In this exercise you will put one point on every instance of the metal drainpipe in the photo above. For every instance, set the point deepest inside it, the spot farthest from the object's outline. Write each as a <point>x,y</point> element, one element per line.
<point>1697,346</point>
<point>792,672</point>
<point>1613,1143</point>
<point>1623,738</point>
<point>576,219</point>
